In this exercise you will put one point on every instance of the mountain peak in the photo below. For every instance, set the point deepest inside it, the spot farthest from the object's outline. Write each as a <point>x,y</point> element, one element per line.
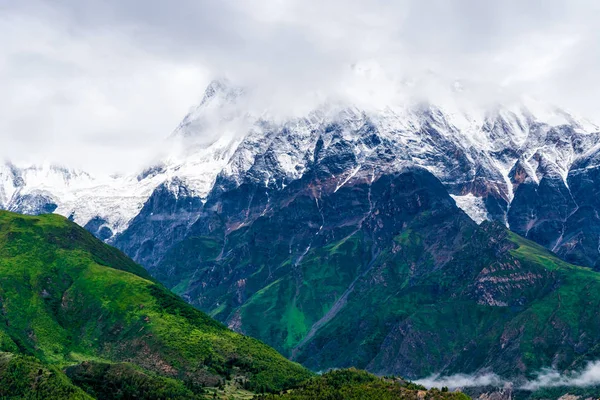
<point>221,88</point>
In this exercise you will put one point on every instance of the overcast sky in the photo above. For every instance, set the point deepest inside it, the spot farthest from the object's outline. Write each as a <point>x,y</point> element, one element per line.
<point>99,83</point>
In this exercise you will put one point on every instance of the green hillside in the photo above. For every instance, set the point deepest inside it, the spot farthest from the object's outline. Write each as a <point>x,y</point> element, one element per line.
<point>26,377</point>
<point>352,384</point>
<point>71,306</point>
<point>498,301</point>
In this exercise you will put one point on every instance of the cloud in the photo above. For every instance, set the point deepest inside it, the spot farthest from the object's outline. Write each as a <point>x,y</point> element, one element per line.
<point>546,378</point>
<point>462,381</point>
<point>101,81</point>
<point>93,99</point>
<point>589,376</point>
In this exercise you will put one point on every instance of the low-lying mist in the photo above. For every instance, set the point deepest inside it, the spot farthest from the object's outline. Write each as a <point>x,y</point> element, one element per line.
<point>546,378</point>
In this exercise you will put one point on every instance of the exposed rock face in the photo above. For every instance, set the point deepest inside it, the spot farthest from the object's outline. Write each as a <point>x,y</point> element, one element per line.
<point>99,228</point>
<point>162,222</point>
<point>490,393</point>
<point>543,201</point>
<point>580,241</point>
<point>34,203</point>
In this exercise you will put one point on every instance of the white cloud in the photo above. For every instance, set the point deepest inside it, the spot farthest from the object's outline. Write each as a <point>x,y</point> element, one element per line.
<point>100,82</point>
<point>589,376</point>
<point>546,378</point>
<point>462,381</point>
<point>94,100</point>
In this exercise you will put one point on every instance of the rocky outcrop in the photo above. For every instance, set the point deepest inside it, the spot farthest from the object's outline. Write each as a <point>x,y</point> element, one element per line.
<point>162,222</point>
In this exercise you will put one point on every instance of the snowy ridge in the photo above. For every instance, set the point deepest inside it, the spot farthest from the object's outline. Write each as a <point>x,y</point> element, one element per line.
<point>74,194</point>
<point>475,152</point>
<point>193,159</point>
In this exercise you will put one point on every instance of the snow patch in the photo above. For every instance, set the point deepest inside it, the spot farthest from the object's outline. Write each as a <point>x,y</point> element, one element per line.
<point>473,206</point>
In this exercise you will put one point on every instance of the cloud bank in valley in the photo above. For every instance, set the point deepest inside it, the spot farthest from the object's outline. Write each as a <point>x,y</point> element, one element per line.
<point>589,376</point>
<point>101,82</point>
<point>462,381</point>
<point>546,378</point>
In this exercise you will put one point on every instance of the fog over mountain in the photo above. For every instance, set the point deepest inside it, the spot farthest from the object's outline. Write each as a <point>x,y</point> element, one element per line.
<point>98,84</point>
<point>546,378</point>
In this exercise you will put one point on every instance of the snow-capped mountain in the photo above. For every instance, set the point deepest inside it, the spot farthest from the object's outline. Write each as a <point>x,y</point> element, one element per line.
<point>109,203</point>
<point>345,221</point>
<point>512,162</point>
<point>72,193</point>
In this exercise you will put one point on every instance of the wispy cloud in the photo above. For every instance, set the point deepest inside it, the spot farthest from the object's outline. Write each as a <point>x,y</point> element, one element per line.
<point>462,381</point>
<point>589,376</point>
<point>546,378</point>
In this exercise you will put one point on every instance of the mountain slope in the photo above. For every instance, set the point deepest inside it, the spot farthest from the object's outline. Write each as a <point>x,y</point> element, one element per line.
<point>386,273</point>
<point>67,297</point>
<point>27,378</point>
<point>352,384</point>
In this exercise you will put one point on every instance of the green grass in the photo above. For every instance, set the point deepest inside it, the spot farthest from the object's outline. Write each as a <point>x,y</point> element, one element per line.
<point>294,302</point>
<point>533,252</point>
<point>500,302</point>
<point>126,381</point>
<point>67,298</point>
<point>23,377</point>
<point>352,384</point>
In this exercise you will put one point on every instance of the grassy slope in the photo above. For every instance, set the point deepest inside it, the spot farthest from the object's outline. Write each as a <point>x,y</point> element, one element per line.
<point>65,298</point>
<point>552,306</point>
<point>352,384</point>
<point>324,275</point>
<point>25,377</point>
<point>124,380</point>
<point>570,312</point>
